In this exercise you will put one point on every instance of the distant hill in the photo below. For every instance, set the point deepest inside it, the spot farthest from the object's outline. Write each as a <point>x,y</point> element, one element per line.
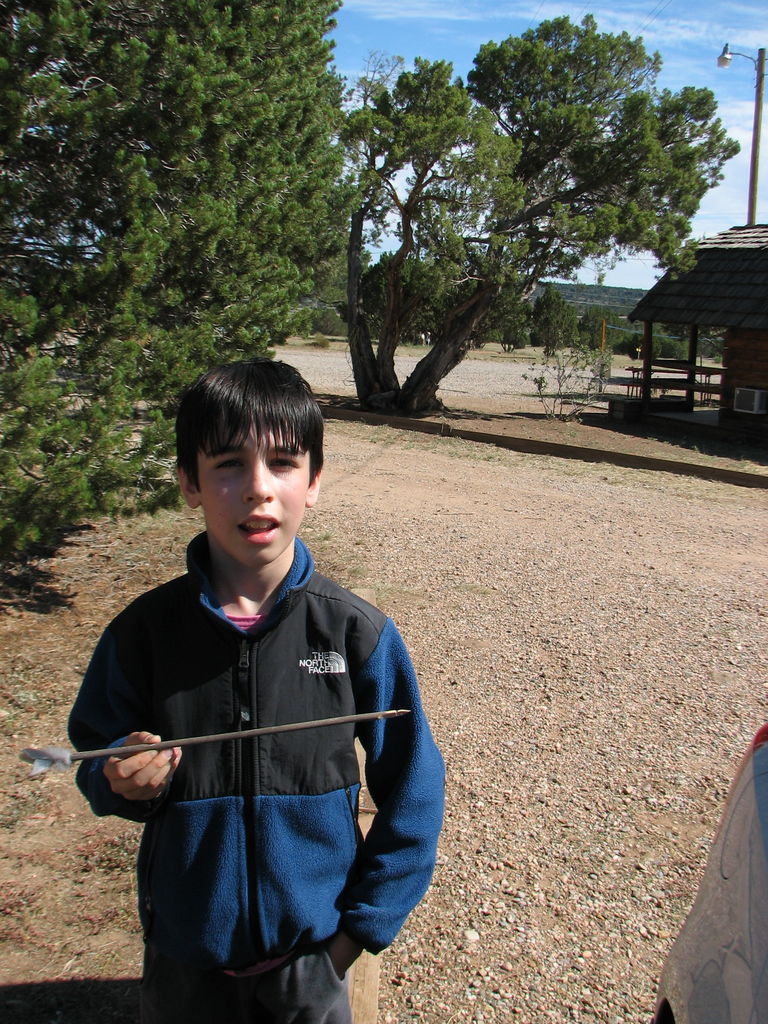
<point>620,300</point>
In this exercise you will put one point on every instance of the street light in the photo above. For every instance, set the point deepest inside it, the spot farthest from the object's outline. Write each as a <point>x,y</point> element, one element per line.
<point>724,61</point>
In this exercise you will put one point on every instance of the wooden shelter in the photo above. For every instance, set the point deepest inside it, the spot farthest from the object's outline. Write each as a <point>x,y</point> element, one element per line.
<point>727,288</point>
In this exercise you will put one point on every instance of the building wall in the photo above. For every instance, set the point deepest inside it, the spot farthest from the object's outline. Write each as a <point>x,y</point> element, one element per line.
<point>746,366</point>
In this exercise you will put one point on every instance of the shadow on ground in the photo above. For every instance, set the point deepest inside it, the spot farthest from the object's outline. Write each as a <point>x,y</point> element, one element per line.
<point>85,1001</point>
<point>636,436</point>
<point>717,443</point>
<point>28,584</point>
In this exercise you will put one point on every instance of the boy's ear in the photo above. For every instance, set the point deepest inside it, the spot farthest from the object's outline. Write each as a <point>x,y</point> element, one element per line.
<point>314,491</point>
<point>189,490</point>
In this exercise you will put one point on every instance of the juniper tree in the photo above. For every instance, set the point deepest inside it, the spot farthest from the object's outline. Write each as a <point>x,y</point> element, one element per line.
<point>166,187</point>
<point>555,323</point>
<point>568,151</point>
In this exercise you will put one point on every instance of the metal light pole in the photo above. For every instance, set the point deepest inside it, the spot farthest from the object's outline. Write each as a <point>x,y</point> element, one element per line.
<point>724,61</point>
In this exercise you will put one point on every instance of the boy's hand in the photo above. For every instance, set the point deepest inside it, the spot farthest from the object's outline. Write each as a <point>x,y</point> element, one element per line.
<point>343,952</point>
<point>142,776</point>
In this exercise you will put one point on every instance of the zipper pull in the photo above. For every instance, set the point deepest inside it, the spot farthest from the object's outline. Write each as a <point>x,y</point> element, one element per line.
<point>242,666</point>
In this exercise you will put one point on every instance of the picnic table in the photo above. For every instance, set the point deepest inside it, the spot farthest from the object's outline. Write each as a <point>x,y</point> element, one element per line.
<point>678,375</point>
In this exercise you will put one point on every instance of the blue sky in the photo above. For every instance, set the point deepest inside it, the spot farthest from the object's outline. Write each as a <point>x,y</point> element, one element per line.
<point>688,34</point>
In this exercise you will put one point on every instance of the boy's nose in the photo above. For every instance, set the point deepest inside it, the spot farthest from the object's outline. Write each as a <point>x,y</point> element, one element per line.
<point>257,483</point>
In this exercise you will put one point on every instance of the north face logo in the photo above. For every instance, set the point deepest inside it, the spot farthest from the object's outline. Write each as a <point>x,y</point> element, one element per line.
<point>324,663</point>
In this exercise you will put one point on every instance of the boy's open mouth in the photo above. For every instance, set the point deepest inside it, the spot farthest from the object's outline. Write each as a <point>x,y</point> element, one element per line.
<point>254,526</point>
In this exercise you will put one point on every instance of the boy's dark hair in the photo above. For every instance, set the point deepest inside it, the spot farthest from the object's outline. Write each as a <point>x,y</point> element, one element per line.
<point>220,410</point>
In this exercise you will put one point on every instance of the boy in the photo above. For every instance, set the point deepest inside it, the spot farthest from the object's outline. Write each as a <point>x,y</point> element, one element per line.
<point>256,891</point>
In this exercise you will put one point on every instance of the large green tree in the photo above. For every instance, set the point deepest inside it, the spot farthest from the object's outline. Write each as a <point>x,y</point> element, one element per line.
<point>166,188</point>
<point>560,149</point>
<point>555,323</point>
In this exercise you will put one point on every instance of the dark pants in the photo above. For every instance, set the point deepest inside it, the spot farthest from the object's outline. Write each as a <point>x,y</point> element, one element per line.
<point>305,990</point>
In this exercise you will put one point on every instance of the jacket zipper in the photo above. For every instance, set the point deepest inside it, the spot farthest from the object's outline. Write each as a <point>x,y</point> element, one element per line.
<point>243,665</point>
<point>242,715</point>
<point>149,907</point>
<point>247,774</point>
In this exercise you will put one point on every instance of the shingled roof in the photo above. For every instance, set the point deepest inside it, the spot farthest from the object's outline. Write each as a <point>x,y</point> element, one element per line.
<point>728,287</point>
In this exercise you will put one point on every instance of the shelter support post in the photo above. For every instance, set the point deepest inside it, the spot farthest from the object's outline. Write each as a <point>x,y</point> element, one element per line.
<point>647,355</point>
<point>693,347</point>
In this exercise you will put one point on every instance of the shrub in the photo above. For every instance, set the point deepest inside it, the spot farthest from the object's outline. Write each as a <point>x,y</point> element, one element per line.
<point>571,381</point>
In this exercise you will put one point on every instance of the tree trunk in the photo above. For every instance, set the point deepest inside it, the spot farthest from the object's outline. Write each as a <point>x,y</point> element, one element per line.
<point>419,392</point>
<point>358,333</point>
<point>393,319</point>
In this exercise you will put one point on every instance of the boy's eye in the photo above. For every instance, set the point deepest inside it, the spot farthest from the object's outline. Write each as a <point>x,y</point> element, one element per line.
<point>228,463</point>
<point>283,460</point>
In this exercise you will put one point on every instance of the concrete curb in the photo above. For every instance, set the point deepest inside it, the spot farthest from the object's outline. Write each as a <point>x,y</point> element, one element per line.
<point>551,448</point>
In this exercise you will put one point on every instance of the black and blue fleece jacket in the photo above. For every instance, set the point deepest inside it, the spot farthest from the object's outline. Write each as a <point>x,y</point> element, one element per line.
<point>254,850</point>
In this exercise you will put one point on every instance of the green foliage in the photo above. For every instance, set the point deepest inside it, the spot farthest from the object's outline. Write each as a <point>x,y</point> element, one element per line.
<point>590,327</point>
<point>327,321</point>
<point>329,296</point>
<point>570,381</point>
<point>555,324</point>
<point>422,296</point>
<point>712,344</point>
<point>595,304</point>
<point>616,299</point>
<point>602,326</point>
<point>166,191</point>
<point>508,321</point>
<point>628,342</point>
<point>567,152</point>
<point>64,459</point>
<point>666,347</point>
<point>605,158</point>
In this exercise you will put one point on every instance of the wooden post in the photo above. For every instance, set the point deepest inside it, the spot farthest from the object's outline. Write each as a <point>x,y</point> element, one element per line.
<point>647,364</point>
<point>693,347</point>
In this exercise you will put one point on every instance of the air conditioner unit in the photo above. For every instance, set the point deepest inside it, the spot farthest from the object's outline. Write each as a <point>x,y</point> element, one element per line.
<point>752,400</point>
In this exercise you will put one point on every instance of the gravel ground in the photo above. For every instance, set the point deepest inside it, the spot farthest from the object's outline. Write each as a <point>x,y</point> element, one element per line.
<point>592,644</point>
<point>475,378</point>
<point>593,649</point>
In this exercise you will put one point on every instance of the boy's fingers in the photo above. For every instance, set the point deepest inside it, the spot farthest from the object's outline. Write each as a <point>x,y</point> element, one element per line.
<point>141,776</point>
<point>140,737</point>
<point>128,767</point>
<point>143,784</point>
<point>145,737</point>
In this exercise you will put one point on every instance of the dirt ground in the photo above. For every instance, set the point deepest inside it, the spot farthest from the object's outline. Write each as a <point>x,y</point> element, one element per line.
<point>491,392</point>
<point>395,507</point>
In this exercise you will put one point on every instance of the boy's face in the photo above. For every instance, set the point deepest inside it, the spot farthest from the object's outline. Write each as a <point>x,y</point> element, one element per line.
<point>253,500</point>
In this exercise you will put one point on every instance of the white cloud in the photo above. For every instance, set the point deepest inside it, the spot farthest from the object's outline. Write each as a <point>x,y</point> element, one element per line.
<point>416,10</point>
